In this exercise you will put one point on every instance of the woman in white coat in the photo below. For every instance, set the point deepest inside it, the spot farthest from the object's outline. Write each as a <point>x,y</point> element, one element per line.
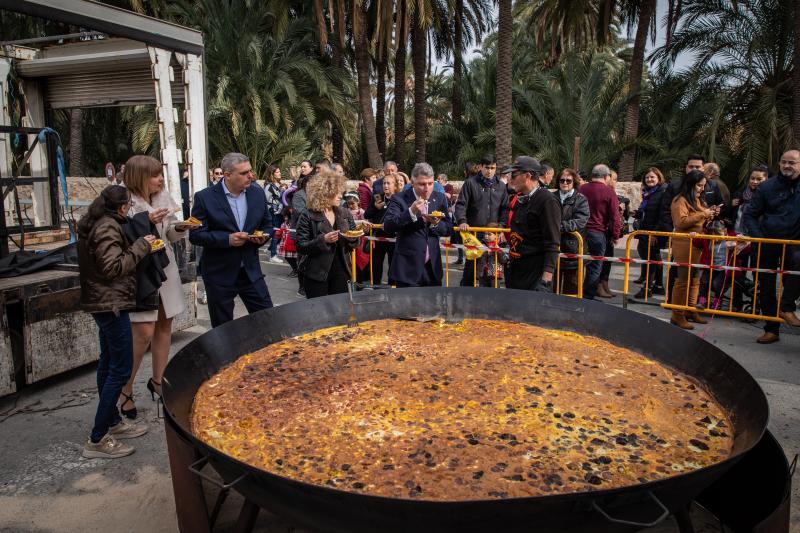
<point>145,180</point>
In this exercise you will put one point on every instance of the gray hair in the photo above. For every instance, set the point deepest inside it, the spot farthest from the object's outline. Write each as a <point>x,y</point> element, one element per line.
<point>422,169</point>
<point>600,171</point>
<point>386,164</point>
<point>231,160</point>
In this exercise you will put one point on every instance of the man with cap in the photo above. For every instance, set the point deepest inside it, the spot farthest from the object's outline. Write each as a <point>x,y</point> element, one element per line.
<point>535,228</point>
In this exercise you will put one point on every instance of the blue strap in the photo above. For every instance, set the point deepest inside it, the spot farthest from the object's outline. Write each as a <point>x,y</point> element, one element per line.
<point>62,174</point>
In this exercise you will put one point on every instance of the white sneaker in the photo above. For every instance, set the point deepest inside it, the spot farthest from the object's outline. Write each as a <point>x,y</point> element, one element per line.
<point>107,448</point>
<point>277,260</point>
<point>127,429</point>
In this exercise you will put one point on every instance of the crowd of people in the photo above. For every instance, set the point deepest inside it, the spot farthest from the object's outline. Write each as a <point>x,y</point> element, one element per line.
<point>131,285</point>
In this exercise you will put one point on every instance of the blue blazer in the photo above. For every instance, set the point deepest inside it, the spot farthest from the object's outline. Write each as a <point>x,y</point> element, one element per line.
<point>220,262</point>
<point>408,262</point>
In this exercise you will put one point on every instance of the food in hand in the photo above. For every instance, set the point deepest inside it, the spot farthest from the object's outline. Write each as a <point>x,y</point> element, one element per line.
<point>156,245</point>
<point>257,233</point>
<point>437,214</point>
<point>192,221</point>
<point>353,233</point>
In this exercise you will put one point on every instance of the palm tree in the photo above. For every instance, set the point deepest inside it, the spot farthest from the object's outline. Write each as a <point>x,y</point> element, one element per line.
<point>746,48</point>
<point>503,108</point>
<point>76,142</point>
<point>419,49</point>
<point>469,25</point>
<point>401,40</point>
<point>646,9</point>
<point>574,26</point>
<point>267,89</point>
<point>796,76</point>
<point>361,49</point>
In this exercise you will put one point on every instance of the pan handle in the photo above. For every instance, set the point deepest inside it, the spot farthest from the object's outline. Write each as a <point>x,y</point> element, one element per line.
<point>658,520</point>
<point>195,467</point>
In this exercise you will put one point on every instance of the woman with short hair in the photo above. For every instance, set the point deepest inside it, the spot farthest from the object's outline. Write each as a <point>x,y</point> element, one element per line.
<point>574,216</point>
<point>152,325</point>
<point>321,239</point>
<point>107,263</point>
<point>646,218</point>
<point>689,215</point>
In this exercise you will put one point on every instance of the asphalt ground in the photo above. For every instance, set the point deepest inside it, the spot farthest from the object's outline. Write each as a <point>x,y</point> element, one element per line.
<point>45,485</point>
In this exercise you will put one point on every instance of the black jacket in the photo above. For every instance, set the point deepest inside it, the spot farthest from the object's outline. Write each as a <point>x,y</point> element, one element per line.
<point>774,210</point>
<point>648,218</point>
<point>318,255</point>
<point>536,228</point>
<point>574,215</point>
<point>150,270</point>
<point>479,206</point>
<point>713,197</point>
<point>375,215</point>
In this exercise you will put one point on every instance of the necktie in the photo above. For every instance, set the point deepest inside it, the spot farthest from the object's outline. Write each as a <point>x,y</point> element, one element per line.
<point>427,251</point>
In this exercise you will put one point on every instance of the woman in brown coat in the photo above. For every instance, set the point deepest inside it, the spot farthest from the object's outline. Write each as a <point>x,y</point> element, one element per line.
<point>689,215</point>
<point>107,264</point>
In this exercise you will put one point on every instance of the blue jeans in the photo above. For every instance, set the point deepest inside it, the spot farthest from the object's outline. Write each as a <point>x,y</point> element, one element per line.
<point>596,244</point>
<point>113,369</point>
<point>277,220</point>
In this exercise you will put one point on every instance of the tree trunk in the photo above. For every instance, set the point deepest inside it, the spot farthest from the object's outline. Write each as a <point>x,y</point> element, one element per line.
<point>400,86</point>
<point>76,142</point>
<point>628,161</point>
<point>364,96</point>
<point>380,107</point>
<point>796,78</point>
<point>458,40</point>
<point>419,48</point>
<point>503,106</point>
<point>337,137</point>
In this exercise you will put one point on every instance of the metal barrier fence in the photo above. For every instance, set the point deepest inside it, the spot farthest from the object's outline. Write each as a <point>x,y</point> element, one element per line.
<point>736,247</point>
<point>494,249</point>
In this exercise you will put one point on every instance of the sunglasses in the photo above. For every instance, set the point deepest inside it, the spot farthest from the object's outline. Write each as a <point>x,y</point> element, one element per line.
<point>562,180</point>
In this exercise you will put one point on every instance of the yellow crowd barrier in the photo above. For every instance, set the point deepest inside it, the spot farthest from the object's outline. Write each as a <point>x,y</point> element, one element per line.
<point>496,258</point>
<point>730,270</point>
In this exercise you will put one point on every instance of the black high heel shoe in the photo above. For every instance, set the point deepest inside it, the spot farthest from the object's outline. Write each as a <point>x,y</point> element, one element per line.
<point>128,413</point>
<point>151,386</point>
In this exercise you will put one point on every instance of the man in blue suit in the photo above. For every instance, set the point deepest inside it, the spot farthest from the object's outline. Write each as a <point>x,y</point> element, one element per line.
<point>417,261</point>
<point>231,212</point>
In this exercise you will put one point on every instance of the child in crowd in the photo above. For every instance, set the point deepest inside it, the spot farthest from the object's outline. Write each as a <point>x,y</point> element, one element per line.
<point>287,249</point>
<point>352,205</point>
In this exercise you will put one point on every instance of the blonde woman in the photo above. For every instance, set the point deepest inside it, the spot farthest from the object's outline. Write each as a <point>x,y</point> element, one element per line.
<point>321,240</point>
<point>153,328</point>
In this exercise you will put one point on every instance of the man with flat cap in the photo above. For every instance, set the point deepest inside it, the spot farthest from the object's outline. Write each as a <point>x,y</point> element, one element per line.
<point>535,228</point>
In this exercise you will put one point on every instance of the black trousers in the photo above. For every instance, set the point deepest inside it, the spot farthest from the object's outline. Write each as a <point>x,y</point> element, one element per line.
<point>767,283</point>
<point>656,271</point>
<point>429,281</point>
<point>336,283</point>
<point>605,270</point>
<point>525,272</point>
<point>254,295</point>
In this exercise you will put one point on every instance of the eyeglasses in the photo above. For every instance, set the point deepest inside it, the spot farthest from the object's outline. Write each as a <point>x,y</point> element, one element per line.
<point>563,180</point>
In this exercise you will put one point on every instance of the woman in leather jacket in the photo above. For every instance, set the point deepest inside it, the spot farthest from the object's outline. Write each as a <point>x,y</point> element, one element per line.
<point>321,239</point>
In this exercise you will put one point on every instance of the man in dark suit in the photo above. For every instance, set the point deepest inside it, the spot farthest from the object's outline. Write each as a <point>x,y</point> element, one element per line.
<point>231,212</point>
<point>417,261</point>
